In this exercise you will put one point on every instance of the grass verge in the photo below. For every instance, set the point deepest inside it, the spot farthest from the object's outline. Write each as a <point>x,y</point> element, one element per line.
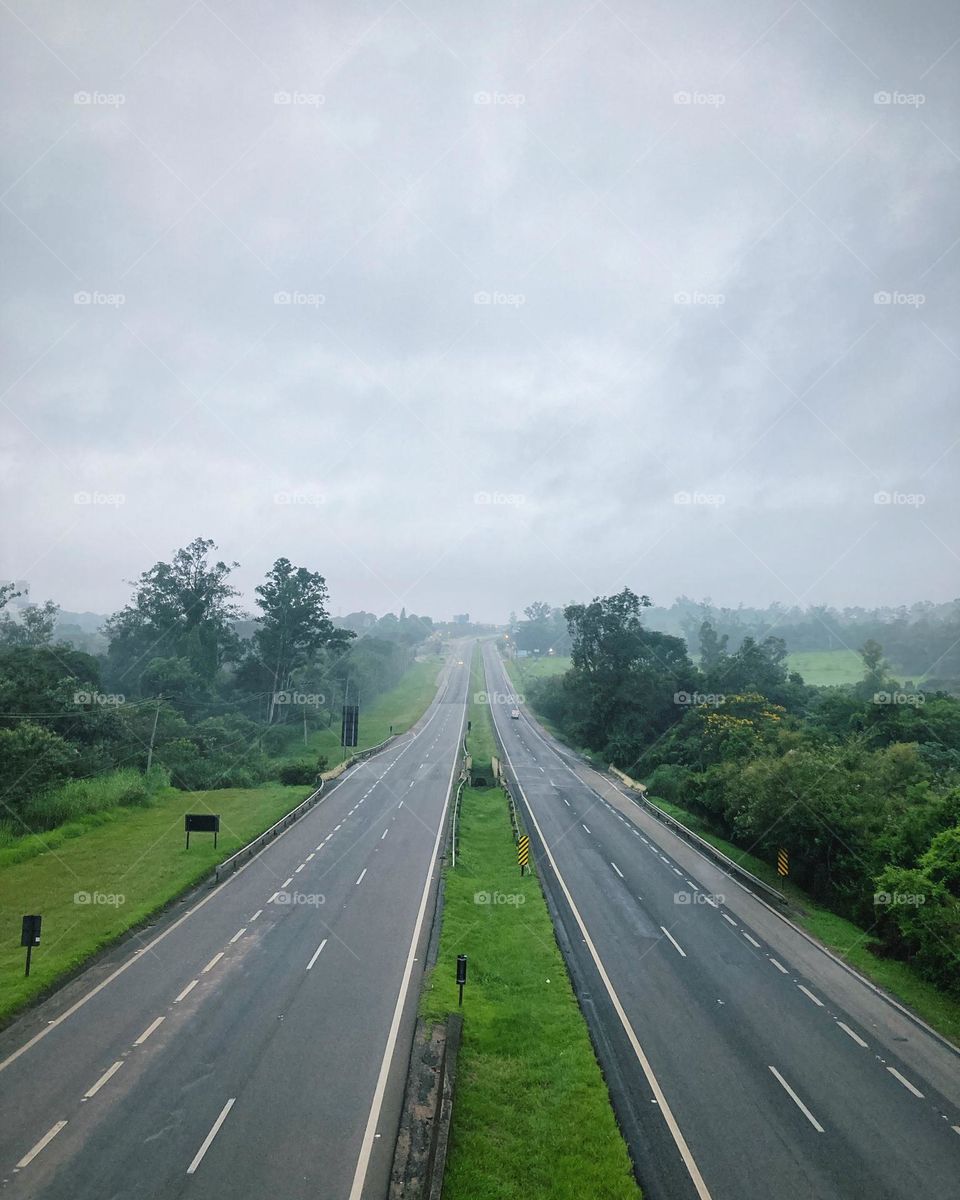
<point>532,1116</point>
<point>846,940</point>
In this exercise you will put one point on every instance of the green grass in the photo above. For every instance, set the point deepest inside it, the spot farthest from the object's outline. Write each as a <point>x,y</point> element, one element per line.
<point>527,669</point>
<point>401,707</point>
<point>827,667</point>
<point>532,1115</point>
<point>846,940</point>
<point>136,854</point>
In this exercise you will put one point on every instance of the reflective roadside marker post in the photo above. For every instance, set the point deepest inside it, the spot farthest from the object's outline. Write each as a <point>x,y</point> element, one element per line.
<point>30,936</point>
<point>783,865</point>
<point>461,974</point>
<point>523,852</point>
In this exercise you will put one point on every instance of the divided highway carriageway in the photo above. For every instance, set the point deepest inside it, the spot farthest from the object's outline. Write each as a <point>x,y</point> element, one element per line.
<point>745,1062</point>
<point>257,1044</point>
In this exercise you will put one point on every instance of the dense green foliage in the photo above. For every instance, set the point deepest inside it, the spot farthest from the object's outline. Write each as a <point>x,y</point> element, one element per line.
<point>861,784</point>
<point>187,686</point>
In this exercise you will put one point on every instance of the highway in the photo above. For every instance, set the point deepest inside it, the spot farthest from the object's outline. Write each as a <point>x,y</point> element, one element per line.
<point>744,1061</point>
<point>255,1042</point>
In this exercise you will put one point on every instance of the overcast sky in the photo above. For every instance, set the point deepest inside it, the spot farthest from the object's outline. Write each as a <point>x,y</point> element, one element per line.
<point>680,216</point>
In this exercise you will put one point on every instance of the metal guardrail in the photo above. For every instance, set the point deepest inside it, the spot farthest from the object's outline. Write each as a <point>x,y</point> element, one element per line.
<point>245,853</point>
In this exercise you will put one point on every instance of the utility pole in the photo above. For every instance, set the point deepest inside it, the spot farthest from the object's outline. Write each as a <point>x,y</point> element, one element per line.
<point>153,734</point>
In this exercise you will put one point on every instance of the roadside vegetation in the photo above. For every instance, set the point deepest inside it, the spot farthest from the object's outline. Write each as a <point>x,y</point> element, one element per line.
<point>859,783</point>
<point>532,1115</point>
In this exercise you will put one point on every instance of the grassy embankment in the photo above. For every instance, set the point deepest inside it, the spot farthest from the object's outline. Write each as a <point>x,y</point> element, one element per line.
<point>845,939</point>
<point>137,853</point>
<point>532,1115</point>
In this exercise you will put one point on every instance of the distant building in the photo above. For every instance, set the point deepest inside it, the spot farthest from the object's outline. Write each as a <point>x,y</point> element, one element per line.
<point>461,618</point>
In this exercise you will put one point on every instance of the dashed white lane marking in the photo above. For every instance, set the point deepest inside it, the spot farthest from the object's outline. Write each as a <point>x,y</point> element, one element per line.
<point>810,996</point>
<point>850,1033</point>
<point>384,834</point>
<point>664,857</point>
<point>316,954</point>
<point>780,967</point>
<point>676,944</point>
<point>675,871</point>
<point>797,1101</point>
<point>215,1129</point>
<point>710,900</point>
<point>237,936</point>
<point>955,1128</point>
<point>586,828</point>
<point>255,915</point>
<point>47,1138</point>
<point>104,1078</point>
<point>299,869</point>
<point>617,869</point>
<point>336,827</point>
<point>212,963</point>
<point>273,897</point>
<point>187,990</point>
<point>729,919</point>
<point>906,1082</point>
<point>690,883</point>
<point>149,1029</point>
<point>360,877</point>
<point>751,940</point>
<point>565,800</point>
<point>286,883</point>
<point>310,856</point>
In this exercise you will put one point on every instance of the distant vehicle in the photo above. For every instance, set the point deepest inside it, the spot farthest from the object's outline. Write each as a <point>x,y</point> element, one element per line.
<point>514,714</point>
<point>459,662</point>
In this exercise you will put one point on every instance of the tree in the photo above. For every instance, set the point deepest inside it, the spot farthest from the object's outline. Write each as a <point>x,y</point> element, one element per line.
<point>34,628</point>
<point>294,624</point>
<point>181,609</point>
<point>713,648</point>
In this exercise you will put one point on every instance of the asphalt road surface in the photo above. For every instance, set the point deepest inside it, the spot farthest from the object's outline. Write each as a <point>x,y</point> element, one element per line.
<point>254,1044</point>
<point>745,1062</point>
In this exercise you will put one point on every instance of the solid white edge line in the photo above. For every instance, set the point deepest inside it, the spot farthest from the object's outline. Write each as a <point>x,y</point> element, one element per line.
<point>187,990</point>
<point>47,1137</point>
<point>851,1033</point>
<point>212,963</point>
<point>316,954</point>
<point>617,869</point>
<point>688,1160</point>
<point>366,1146</point>
<point>104,1078</point>
<point>154,1025</point>
<point>797,1101</point>
<point>676,944</point>
<point>215,1129</point>
<point>906,1082</point>
<point>810,996</point>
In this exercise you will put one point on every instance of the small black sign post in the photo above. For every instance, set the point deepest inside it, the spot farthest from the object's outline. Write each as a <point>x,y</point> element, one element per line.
<point>30,936</point>
<point>201,823</point>
<point>461,974</point>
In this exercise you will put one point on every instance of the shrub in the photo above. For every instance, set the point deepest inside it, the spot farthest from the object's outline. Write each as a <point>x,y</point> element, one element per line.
<point>298,773</point>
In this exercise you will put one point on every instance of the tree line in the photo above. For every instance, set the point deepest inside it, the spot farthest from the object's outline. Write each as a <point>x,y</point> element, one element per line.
<point>861,784</point>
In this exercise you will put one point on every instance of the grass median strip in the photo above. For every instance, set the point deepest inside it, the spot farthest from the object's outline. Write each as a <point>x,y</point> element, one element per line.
<point>532,1116</point>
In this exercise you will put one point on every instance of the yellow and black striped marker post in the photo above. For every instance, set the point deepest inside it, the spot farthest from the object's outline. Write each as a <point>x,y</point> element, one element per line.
<point>783,865</point>
<point>523,852</point>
